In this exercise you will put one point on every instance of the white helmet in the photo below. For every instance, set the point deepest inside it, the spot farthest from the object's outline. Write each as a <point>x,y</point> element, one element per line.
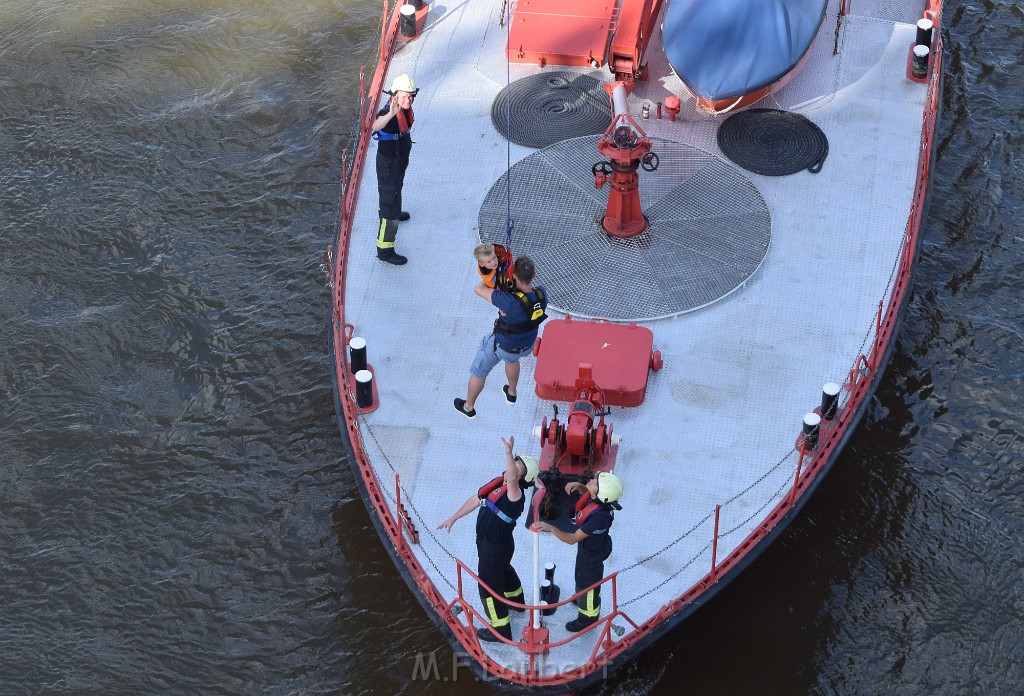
<point>403,83</point>
<point>532,467</point>
<point>609,487</point>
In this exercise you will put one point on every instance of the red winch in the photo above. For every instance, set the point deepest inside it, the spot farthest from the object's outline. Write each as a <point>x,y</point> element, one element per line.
<point>584,445</point>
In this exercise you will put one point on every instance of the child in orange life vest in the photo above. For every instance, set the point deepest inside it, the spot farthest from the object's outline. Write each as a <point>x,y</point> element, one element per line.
<point>499,503</point>
<point>494,264</point>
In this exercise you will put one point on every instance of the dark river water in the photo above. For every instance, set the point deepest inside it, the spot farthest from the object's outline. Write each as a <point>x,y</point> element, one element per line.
<point>176,515</point>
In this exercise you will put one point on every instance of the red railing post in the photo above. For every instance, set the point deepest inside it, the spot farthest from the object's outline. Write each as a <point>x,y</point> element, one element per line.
<point>799,465</point>
<point>878,332</point>
<point>714,545</point>
<point>398,510</point>
<point>383,29</point>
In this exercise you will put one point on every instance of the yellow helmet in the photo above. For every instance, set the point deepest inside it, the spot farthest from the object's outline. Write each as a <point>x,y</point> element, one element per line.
<point>532,467</point>
<point>403,83</point>
<point>609,487</point>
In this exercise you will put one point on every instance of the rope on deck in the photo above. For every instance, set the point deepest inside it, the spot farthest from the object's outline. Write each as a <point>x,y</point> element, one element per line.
<point>773,142</point>
<point>550,107</point>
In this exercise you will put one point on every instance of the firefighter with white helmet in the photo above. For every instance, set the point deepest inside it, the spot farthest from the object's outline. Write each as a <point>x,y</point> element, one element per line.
<point>391,131</point>
<point>500,502</point>
<point>594,514</point>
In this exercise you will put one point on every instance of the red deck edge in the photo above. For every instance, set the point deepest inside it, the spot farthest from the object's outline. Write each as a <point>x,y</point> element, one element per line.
<point>824,452</point>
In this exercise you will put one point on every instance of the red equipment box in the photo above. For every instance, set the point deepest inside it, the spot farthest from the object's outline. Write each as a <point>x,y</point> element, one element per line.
<point>560,32</point>
<point>621,356</point>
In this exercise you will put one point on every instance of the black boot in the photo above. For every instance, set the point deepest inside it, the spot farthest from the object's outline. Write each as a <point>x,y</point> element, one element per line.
<point>391,256</point>
<point>485,634</point>
<point>579,623</point>
<point>386,243</point>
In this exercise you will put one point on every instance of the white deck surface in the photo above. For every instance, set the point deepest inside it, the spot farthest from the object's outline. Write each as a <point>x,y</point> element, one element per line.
<point>739,374</point>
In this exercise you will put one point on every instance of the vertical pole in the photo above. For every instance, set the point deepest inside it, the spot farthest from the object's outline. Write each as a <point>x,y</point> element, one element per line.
<point>714,546</point>
<point>383,29</point>
<point>799,465</point>
<point>878,330</point>
<point>398,512</point>
<point>535,613</point>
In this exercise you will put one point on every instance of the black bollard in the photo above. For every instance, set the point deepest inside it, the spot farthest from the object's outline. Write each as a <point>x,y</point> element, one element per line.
<point>811,423</point>
<point>924,32</point>
<point>829,400</point>
<point>357,354</point>
<point>364,388</point>
<point>408,20</point>
<point>549,595</point>
<point>919,68</point>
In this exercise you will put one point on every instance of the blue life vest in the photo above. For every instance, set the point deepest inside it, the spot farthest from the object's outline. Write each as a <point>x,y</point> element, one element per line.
<point>402,119</point>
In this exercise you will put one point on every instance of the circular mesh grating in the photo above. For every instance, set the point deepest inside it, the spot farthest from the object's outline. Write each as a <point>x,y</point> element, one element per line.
<point>709,231</point>
<point>549,107</point>
<point>773,142</point>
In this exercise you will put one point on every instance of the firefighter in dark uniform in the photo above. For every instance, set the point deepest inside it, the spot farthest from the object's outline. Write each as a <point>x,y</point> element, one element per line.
<point>593,519</point>
<point>391,131</point>
<point>499,502</point>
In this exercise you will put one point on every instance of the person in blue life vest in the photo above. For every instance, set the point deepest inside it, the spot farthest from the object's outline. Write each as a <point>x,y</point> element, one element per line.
<point>391,131</point>
<point>521,312</point>
<point>499,502</point>
<point>593,519</point>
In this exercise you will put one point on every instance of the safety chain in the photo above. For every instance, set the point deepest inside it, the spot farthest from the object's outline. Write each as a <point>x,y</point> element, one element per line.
<point>888,287</point>
<point>767,502</point>
<point>424,525</point>
<point>699,524</point>
<point>762,477</point>
<point>668,579</point>
<point>687,533</point>
<point>408,498</point>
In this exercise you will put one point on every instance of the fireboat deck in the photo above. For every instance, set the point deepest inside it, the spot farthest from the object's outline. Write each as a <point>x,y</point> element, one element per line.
<point>720,420</point>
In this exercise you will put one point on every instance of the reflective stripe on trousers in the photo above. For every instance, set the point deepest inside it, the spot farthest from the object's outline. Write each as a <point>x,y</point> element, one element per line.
<point>386,233</point>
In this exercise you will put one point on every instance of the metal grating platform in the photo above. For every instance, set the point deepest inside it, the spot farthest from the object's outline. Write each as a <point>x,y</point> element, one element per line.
<point>709,231</point>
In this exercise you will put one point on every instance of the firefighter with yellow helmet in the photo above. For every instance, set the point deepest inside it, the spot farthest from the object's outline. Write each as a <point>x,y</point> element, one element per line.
<point>391,129</point>
<point>594,514</point>
<point>499,502</point>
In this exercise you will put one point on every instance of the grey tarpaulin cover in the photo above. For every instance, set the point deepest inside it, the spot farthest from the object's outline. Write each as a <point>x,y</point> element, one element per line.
<point>727,48</point>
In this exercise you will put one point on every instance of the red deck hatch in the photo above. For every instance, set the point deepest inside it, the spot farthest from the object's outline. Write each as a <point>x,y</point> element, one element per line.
<point>620,355</point>
<point>559,32</point>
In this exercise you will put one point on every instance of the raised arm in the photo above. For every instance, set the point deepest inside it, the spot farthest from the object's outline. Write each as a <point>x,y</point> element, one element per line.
<point>514,492</point>
<point>383,119</point>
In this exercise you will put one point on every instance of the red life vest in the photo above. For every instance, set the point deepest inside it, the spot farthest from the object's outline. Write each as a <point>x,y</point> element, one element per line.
<point>490,493</point>
<point>585,507</point>
<point>493,489</point>
<point>500,277</point>
<point>405,122</point>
